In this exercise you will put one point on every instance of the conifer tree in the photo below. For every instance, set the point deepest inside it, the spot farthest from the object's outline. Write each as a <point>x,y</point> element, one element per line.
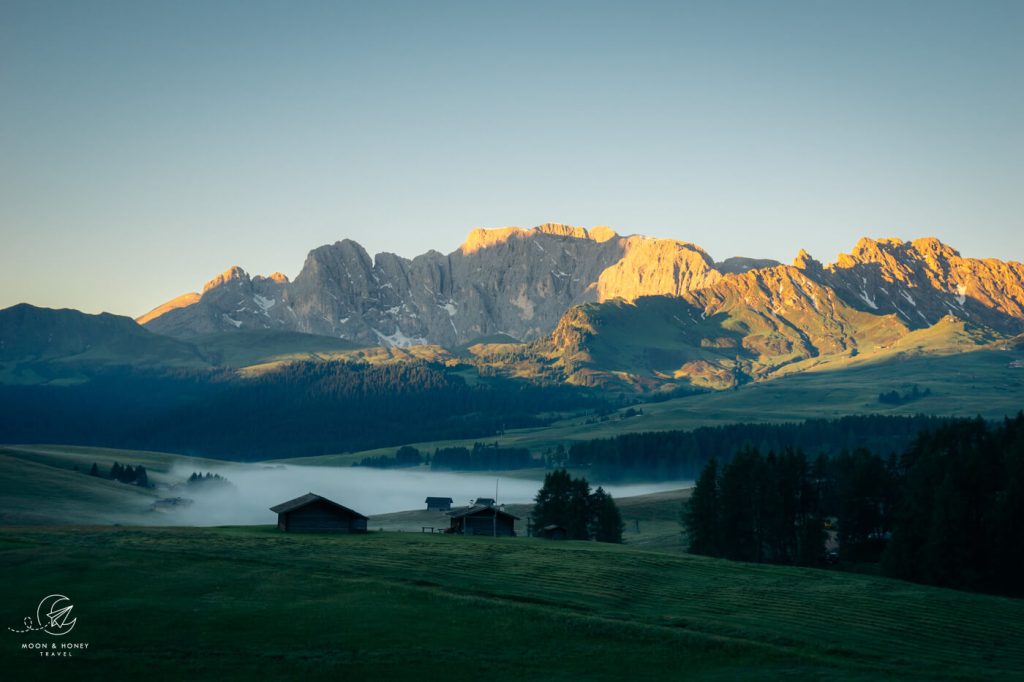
<point>700,513</point>
<point>606,522</point>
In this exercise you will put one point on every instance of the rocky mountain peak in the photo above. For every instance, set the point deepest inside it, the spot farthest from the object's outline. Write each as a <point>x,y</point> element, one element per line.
<point>273,277</point>
<point>482,238</point>
<point>602,233</point>
<point>560,230</point>
<point>232,274</point>
<point>652,267</point>
<point>932,246</point>
<point>925,280</point>
<point>805,261</point>
<point>740,264</point>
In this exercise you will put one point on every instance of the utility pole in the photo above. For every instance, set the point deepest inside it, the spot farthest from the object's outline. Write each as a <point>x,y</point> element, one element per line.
<point>494,531</point>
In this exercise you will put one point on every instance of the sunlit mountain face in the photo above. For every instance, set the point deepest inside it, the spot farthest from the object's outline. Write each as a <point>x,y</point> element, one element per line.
<point>592,306</point>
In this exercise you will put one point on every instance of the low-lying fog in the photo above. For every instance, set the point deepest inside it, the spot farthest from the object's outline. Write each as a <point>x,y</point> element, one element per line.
<point>256,488</point>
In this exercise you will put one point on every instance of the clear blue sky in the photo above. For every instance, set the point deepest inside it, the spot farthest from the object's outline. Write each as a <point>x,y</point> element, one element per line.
<point>146,146</point>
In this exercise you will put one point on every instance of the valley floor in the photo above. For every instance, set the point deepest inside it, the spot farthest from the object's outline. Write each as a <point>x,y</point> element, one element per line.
<point>254,603</point>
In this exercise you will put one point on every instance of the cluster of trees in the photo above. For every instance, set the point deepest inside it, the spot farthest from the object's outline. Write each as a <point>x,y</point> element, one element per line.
<point>405,456</point>
<point>894,397</point>
<point>557,458</point>
<point>305,408</point>
<point>206,479</point>
<point>606,415</point>
<point>482,457</point>
<point>568,502</point>
<point>668,455</point>
<point>960,521</point>
<point>948,511</point>
<point>775,508</point>
<point>124,473</point>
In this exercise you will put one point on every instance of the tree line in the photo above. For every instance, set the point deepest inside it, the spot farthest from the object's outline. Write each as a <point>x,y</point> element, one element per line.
<point>207,480</point>
<point>123,473</point>
<point>305,408</point>
<point>671,455</point>
<point>948,511</point>
<point>894,397</point>
<point>405,456</point>
<point>482,457</point>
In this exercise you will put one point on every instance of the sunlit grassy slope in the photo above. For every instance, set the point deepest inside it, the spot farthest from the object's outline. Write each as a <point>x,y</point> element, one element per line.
<point>254,603</point>
<point>981,382</point>
<point>253,347</point>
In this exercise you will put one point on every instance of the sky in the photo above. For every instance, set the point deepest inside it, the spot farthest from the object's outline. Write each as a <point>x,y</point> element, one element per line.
<point>147,146</point>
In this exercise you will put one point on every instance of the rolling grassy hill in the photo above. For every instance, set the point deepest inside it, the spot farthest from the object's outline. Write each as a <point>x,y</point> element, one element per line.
<point>253,603</point>
<point>980,382</point>
<point>39,484</point>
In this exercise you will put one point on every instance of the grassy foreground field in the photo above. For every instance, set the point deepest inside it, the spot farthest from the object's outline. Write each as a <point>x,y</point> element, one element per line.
<point>253,603</point>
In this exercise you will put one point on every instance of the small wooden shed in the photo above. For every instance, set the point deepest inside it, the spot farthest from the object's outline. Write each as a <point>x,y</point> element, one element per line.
<point>483,520</point>
<point>439,503</point>
<point>555,532</point>
<point>315,514</point>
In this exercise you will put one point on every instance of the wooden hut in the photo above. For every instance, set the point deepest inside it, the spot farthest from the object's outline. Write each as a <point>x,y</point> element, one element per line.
<point>555,532</point>
<point>482,520</point>
<point>439,503</point>
<point>314,514</point>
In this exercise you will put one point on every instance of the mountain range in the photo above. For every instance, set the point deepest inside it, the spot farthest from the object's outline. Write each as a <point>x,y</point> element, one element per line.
<point>519,282</point>
<point>568,304</point>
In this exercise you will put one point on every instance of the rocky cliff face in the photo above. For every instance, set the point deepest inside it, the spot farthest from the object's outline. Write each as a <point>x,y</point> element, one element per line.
<point>510,281</point>
<point>923,281</point>
<point>520,282</point>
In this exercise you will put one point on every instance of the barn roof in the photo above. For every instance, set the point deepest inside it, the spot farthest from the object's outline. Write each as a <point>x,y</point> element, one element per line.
<point>309,498</point>
<point>438,499</point>
<point>479,509</point>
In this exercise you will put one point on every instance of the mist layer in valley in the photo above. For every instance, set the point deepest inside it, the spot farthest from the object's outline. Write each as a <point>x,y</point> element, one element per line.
<point>251,490</point>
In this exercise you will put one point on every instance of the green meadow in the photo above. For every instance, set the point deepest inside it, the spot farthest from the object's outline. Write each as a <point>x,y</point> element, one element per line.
<point>254,603</point>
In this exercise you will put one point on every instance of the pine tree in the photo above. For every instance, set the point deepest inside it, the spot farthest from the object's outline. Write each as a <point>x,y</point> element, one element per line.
<point>577,522</point>
<point>606,522</point>
<point>551,505</point>
<point>700,514</point>
<point>94,470</point>
<point>739,497</point>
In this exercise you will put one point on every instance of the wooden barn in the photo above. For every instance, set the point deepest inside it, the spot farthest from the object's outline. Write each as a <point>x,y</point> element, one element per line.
<point>439,503</point>
<point>483,520</point>
<point>314,514</point>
